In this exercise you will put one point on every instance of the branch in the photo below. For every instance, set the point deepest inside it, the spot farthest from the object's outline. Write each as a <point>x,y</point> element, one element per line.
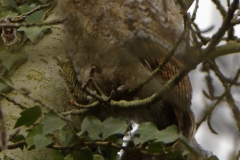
<point>229,48</point>
<point>54,22</point>
<point>161,65</point>
<point>24,15</point>
<point>216,38</point>
<point>220,8</point>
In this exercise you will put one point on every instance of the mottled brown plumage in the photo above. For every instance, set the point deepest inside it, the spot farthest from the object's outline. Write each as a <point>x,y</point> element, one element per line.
<point>126,40</point>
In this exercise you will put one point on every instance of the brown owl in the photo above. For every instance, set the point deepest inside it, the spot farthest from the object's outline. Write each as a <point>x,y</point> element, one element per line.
<point>125,40</point>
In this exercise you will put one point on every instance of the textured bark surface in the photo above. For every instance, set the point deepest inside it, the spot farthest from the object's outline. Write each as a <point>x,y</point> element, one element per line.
<point>39,75</point>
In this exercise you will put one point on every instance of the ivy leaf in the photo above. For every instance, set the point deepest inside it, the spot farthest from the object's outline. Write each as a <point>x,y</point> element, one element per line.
<point>2,86</point>
<point>52,122</point>
<point>185,141</point>
<point>83,154</point>
<point>7,11</point>
<point>40,141</point>
<point>30,5</point>
<point>155,147</point>
<point>8,58</point>
<point>168,135</point>
<point>56,155</point>
<point>114,126</point>
<point>65,135</point>
<point>36,16</point>
<point>35,131</point>
<point>97,157</point>
<point>93,126</point>
<point>110,152</point>
<point>33,32</point>
<point>28,116</point>
<point>34,158</point>
<point>12,3</point>
<point>147,131</point>
<point>17,138</point>
<point>69,157</point>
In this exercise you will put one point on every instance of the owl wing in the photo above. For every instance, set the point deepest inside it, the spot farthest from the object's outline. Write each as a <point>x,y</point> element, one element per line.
<point>149,55</point>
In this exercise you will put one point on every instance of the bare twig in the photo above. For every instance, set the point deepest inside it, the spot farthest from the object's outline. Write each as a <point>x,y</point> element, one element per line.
<point>235,109</point>
<point>24,15</point>
<point>47,13</point>
<point>81,106</point>
<point>195,11</point>
<point>220,8</point>
<point>55,22</point>
<point>216,38</point>
<point>16,145</point>
<point>161,65</point>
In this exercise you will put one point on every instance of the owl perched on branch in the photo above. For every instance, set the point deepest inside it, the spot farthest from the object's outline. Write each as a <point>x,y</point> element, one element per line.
<point>125,40</point>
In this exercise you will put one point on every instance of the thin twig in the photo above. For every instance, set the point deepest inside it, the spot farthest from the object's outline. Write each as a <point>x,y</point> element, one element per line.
<point>161,65</point>
<point>203,39</point>
<point>24,15</point>
<point>47,13</point>
<point>54,22</point>
<point>220,8</point>
<point>195,11</point>
<point>82,106</point>
<point>74,112</point>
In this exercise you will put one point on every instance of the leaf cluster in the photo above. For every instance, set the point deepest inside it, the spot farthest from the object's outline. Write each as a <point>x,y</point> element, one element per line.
<point>96,139</point>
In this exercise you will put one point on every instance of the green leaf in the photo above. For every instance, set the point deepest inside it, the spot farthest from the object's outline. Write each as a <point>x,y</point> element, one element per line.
<point>35,131</point>
<point>33,32</point>
<point>8,58</point>
<point>36,16</point>
<point>114,126</point>
<point>65,135</point>
<point>28,116</point>
<point>168,135</point>
<point>97,157</point>
<point>83,154</point>
<point>147,131</point>
<point>41,141</point>
<point>155,147</point>
<point>17,138</point>
<point>7,11</point>
<point>68,157</point>
<point>56,155</point>
<point>186,152</point>
<point>110,152</point>
<point>51,122</point>
<point>185,141</point>
<point>34,158</point>
<point>12,3</point>
<point>93,126</point>
<point>2,86</point>
<point>30,5</point>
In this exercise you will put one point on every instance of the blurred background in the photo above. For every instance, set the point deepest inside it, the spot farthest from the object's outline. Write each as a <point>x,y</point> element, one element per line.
<point>226,144</point>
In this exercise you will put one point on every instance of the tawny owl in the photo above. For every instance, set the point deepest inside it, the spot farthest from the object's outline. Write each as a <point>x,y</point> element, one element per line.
<point>125,40</point>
